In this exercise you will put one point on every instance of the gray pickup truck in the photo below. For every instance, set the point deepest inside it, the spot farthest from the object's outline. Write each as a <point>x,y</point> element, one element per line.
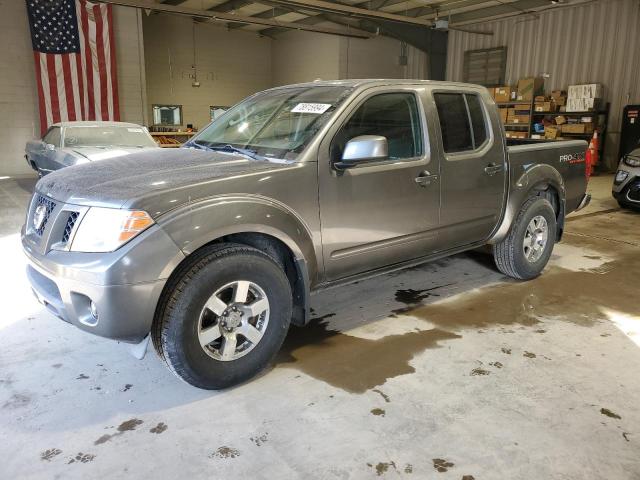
<point>212,250</point>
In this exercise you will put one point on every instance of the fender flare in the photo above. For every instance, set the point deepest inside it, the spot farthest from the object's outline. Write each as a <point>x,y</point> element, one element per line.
<point>536,178</point>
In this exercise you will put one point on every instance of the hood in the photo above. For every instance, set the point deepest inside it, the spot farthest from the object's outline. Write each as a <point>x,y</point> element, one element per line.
<point>104,153</point>
<point>154,179</point>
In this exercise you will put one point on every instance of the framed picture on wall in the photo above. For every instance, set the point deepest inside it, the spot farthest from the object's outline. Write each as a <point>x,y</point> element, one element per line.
<point>170,115</point>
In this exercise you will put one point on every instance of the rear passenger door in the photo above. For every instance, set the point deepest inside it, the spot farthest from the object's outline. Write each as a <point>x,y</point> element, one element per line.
<point>473,169</point>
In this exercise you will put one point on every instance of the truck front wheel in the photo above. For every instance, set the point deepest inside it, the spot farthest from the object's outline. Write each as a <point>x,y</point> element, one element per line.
<point>224,316</point>
<point>524,253</point>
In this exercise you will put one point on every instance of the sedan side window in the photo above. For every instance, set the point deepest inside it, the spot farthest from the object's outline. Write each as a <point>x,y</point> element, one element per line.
<point>391,115</point>
<point>52,137</point>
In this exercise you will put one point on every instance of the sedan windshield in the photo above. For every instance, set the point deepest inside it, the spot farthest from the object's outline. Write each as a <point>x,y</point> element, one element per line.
<point>274,124</point>
<point>107,136</point>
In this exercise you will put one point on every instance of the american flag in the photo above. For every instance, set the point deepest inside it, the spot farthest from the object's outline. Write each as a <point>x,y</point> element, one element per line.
<point>74,53</point>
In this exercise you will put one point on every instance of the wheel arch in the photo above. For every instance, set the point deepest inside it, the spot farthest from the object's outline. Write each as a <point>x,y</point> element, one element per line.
<point>539,180</point>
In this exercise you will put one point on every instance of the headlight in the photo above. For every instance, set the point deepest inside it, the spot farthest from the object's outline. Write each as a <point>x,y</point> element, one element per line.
<point>621,176</point>
<point>106,229</point>
<point>632,161</point>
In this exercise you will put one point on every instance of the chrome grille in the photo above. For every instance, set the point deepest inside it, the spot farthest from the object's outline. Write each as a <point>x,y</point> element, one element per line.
<point>49,206</point>
<point>68,228</point>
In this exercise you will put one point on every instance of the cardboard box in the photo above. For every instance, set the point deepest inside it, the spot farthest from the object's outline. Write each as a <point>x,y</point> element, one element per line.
<point>545,107</point>
<point>560,101</point>
<point>540,99</point>
<point>520,119</point>
<point>560,119</point>
<point>577,128</point>
<point>502,94</point>
<point>504,113</point>
<point>512,134</point>
<point>551,133</point>
<point>558,94</point>
<point>528,88</point>
<point>582,104</point>
<point>590,90</point>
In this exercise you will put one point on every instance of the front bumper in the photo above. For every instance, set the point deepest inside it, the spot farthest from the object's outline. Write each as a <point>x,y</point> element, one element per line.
<point>586,200</point>
<point>124,285</point>
<point>626,186</point>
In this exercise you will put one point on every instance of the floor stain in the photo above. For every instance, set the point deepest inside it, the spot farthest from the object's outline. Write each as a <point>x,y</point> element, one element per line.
<point>17,400</point>
<point>408,468</point>
<point>378,412</point>
<point>127,387</point>
<point>382,394</point>
<point>442,465</point>
<point>364,364</point>
<point>506,351</point>
<point>126,426</point>
<point>609,413</point>
<point>260,440</point>
<point>529,354</point>
<point>625,435</point>
<point>382,467</point>
<point>82,376</point>
<point>496,364</point>
<point>82,458</point>
<point>479,371</point>
<point>225,452</point>
<point>48,454</point>
<point>410,296</point>
<point>56,365</point>
<point>468,477</point>
<point>159,428</point>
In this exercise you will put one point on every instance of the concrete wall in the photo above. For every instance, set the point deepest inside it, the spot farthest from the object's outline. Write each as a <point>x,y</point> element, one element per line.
<point>19,117</point>
<point>230,65</point>
<point>598,42</point>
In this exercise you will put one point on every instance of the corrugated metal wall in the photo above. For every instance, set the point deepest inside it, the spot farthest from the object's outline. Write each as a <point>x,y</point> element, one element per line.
<point>598,42</point>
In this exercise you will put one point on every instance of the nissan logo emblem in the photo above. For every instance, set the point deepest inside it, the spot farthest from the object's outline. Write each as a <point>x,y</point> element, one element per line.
<point>38,216</point>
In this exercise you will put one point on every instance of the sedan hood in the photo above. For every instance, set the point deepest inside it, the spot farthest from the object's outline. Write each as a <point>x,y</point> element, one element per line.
<point>155,179</point>
<point>104,153</point>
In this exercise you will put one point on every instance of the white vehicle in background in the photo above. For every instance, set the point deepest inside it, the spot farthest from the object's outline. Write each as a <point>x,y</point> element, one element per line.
<point>626,185</point>
<point>72,143</point>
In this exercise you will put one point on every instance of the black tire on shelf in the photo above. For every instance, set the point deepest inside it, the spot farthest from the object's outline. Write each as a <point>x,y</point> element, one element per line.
<point>175,331</point>
<point>509,255</point>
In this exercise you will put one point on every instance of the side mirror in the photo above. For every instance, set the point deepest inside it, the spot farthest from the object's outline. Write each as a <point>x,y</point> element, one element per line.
<point>365,148</point>
<point>48,146</point>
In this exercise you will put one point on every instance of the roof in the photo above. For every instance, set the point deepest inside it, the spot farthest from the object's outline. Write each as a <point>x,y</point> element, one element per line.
<point>373,82</point>
<point>95,123</point>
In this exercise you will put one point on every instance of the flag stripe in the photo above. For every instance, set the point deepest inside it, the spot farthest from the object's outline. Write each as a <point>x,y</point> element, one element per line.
<point>88,67</point>
<point>41,104</point>
<point>102,64</point>
<point>68,87</point>
<point>75,85</point>
<point>61,89</point>
<point>53,88</point>
<point>44,79</point>
<point>114,70</point>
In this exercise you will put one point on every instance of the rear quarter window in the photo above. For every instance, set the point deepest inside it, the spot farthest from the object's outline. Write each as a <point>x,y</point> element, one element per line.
<point>462,121</point>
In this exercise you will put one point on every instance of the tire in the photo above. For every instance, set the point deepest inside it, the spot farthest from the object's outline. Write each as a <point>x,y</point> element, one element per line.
<point>509,255</point>
<point>182,315</point>
<point>628,206</point>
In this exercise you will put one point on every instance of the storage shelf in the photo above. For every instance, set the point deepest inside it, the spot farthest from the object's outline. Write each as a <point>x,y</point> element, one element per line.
<point>521,125</point>
<point>569,114</point>
<point>513,103</point>
<point>172,134</point>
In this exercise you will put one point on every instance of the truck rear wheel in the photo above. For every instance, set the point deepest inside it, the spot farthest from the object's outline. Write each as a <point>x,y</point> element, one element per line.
<point>224,316</point>
<point>525,251</point>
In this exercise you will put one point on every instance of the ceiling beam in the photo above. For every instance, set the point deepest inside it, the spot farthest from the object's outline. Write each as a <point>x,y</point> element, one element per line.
<point>337,8</point>
<point>228,17</point>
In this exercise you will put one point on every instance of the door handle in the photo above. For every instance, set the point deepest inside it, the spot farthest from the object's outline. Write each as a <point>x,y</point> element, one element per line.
<point>492,169</point>
<point>425,178</point>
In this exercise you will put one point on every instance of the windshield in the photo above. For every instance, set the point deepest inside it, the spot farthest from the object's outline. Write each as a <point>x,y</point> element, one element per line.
<point>275,124</point>
<point>99,136</point>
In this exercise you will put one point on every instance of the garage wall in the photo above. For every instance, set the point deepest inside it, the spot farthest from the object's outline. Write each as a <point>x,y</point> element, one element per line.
<point>231,65</point>
<point>303,57</point>
<point>595,43</point>
<point>19,118</point>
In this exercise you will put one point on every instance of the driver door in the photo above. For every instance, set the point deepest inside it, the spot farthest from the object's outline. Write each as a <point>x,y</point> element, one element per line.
<point>378,213</point>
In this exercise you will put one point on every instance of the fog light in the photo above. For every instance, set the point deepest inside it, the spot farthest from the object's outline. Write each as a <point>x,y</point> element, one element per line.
<point>621,176</point>
<point>94,310</point>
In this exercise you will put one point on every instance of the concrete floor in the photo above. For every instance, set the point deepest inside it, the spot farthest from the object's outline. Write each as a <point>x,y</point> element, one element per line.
<point>448,371</point>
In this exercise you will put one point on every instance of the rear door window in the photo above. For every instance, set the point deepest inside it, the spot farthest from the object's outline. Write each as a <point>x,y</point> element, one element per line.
<point>462,121</point>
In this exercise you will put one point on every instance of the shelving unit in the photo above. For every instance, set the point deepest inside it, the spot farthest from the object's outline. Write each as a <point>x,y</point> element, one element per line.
<point>519,126</point>
<point>174,135</point>
<point>601,117</point>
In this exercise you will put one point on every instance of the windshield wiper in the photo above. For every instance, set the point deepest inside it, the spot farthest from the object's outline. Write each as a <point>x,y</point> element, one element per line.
<point>230,148</point>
